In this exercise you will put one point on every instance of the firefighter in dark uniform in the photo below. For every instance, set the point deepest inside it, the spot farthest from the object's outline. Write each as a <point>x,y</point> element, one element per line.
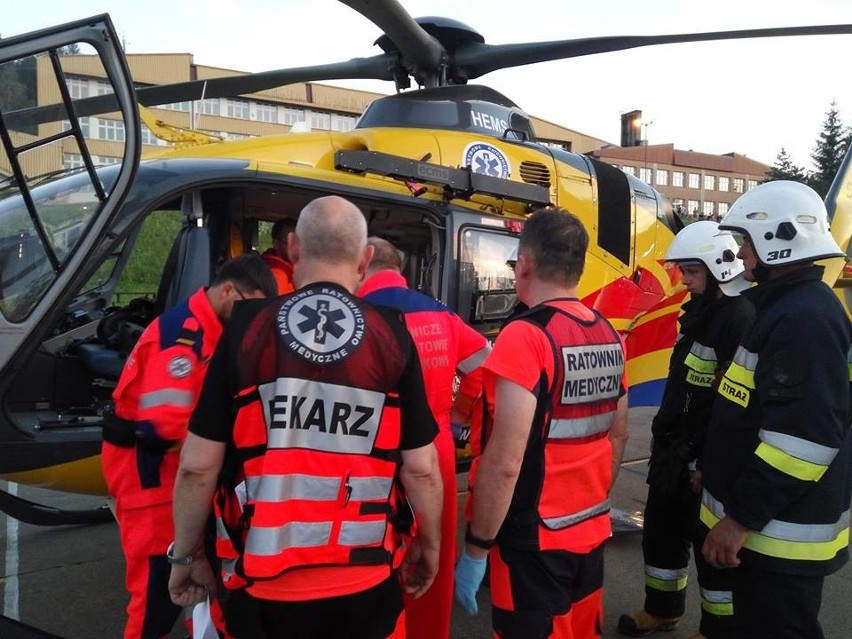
<point>777,462</point>
<point>711,326</point>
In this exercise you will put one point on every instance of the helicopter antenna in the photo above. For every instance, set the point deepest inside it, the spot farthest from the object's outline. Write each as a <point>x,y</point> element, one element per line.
<point>195,112</point>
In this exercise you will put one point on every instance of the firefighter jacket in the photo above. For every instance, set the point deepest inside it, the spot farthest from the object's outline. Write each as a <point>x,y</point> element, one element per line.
<point>282,271</point>
<point>316,435</point>
<point>561,498</point>
<point>778,457</point>
<point>159,387</point>
<point>710,331</point>
<point>444,342</point>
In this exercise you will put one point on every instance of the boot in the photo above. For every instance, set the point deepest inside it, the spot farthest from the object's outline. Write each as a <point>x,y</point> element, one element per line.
<point>640,624</point>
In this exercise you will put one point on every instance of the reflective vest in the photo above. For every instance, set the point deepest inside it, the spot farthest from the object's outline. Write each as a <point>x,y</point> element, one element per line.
<point>561,498</point>
<point>316,438</point>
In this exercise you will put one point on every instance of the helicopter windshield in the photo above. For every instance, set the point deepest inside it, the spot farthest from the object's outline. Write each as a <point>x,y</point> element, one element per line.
<point>33,249</point>
<point>487,283</point>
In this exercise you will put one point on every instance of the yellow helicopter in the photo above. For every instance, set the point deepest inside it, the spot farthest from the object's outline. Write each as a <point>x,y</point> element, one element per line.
<point>448,172</point>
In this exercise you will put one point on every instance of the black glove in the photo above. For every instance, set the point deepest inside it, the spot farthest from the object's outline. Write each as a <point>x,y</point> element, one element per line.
<point>668,470</point>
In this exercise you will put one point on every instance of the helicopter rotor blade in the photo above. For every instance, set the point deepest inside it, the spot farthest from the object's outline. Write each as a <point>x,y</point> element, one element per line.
<point>378,67</point>
<point>417,46</point>
<point>476,59</point>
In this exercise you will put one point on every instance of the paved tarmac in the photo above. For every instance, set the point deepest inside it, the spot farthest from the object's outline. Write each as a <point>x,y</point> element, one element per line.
<point>69,580</point>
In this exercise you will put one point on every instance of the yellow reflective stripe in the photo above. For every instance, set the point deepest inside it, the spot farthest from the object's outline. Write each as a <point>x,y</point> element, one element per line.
<point>786,463</point>
<point>665,579</point>
<point>740,375</point>
<point>701,358</point>
<point>784,549</point>
<point>664,585</point>
<point>717,602</point>
<point>704,380</point>
<point>735,392</point>
<point>718,609</point>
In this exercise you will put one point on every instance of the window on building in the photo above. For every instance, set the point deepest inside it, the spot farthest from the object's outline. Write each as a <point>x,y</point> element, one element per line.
<point>103,88</point>
<point>347,123</point>
<point>709,182</point>
<point>177,106</point>
<point>290,115</point>
<point>72,160</point>
<point>662,177</point>
<point>234,136</point>
<point>237,109</point>
<point>320,121</point>
<point>694,180</point>
<point>724,184</point>
<point>78,88</point>
<point>104,160</point>
<point>111,130</point>
<point>645,175</point>
<point>722,209</point>
<point>84,126</point>
<point>752,184</point>
<point>209,107</point>
<point>677,178</point>
<point>629,170</point>
<point>692,207</point>
<point>148,137</point>
<point>266,112</point>
<point>738,185</point>
<point>707,209</point>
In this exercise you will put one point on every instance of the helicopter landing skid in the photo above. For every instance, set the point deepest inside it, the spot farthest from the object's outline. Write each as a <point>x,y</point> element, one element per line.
<point>30,512</point>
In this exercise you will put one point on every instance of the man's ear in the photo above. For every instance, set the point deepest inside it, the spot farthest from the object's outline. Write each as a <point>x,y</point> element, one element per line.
<point>292,247</point>
<point>366,258</point>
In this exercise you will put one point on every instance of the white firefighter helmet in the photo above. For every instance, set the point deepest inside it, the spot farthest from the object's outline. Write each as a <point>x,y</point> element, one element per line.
<point>786,222</point>
<point>702,242</point>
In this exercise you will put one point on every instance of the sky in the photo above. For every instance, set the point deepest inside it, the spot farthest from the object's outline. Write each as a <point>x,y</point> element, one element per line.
<point>751,97</point>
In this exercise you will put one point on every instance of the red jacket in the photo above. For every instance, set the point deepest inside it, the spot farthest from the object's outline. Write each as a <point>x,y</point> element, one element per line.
<point>161,381</point>
<point>444,342</point>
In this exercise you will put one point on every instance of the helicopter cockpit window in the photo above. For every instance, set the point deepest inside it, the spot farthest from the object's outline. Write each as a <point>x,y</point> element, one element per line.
<point>486,283</point>
<point>34,249</point>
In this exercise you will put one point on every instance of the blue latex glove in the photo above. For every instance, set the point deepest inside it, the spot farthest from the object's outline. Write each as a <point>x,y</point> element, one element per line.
<point>469,574</point>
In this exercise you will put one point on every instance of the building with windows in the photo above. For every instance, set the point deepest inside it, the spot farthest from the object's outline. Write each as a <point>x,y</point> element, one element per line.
<point>297,107</point>
<point>699,185</point>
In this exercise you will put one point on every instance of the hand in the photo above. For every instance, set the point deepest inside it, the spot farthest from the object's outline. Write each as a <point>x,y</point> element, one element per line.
<point>723,543</point>
<point>189,585</point>
<point>470,572</point>
<point>419,568</point>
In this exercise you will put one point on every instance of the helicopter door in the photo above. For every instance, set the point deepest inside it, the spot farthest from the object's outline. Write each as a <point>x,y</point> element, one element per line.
<point>48,231</point>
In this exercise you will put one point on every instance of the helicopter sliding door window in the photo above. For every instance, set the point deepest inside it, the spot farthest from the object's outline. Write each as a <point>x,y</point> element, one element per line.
<point>44,130</point>
<point>615,211</point>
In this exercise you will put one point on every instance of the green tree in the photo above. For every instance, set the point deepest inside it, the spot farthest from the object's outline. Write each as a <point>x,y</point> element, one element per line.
<point>784,169</point>
<point>13,92</point>
<point>829,151</point>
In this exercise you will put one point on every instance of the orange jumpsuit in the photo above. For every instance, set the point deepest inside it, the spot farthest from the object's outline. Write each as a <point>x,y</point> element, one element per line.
<point>155,396</point>
<point>445,344</point>
<point>281,269</point>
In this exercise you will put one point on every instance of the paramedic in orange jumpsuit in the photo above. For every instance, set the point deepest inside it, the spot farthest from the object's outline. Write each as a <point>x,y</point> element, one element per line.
<point>445,345</point>
<point>312,410</point>
<point>541,500</point>
<point>276,256</point>
<point>156,393</point>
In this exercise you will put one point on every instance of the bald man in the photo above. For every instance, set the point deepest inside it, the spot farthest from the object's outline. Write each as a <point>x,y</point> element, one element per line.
<point>446,345</point>
<point>313,405</point>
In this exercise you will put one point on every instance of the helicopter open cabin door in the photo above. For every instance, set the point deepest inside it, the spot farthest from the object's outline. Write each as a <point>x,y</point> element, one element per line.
<point>51,231</point>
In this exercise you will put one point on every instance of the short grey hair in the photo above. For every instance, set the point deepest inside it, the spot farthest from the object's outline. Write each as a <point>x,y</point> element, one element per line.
<point>331,229</point>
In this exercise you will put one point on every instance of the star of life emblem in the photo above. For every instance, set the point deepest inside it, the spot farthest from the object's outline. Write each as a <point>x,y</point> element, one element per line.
<point>321,324</point>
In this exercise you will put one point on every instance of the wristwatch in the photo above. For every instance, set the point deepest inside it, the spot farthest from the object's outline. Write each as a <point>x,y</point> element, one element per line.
<point>186,560</point>
<point>473,540</point>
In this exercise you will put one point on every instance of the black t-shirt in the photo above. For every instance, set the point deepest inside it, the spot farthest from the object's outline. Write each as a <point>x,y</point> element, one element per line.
<point>213,417</point>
